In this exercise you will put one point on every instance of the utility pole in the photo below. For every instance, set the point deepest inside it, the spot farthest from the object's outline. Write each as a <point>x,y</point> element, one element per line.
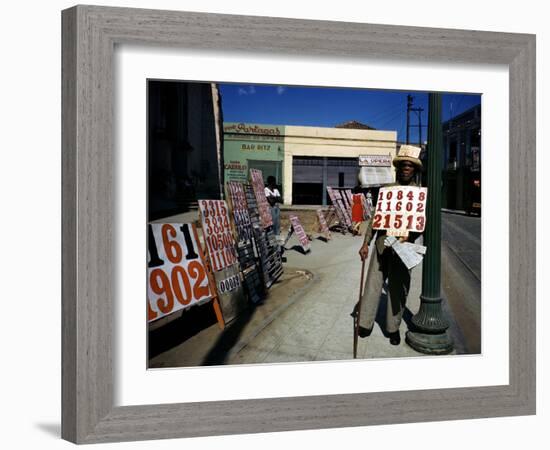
<point>409,105</point>
<point>420,127</point>
<point>430,335</point>
<point>410,99</point>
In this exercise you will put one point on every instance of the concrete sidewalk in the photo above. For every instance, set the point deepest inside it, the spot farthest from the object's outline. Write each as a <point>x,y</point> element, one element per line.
<point>318,326</point>
<point>306,316</point>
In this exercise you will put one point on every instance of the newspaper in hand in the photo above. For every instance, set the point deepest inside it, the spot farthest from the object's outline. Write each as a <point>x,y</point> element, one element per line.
<point>410,254</point>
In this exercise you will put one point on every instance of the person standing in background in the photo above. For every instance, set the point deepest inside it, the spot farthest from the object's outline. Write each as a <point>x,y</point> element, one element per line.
<point>274,199</point>
<point>357,211</point>
<point>370,205</point>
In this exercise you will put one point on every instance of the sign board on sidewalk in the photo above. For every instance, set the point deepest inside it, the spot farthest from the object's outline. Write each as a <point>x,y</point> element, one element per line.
<point>257,181</point>
<point>323,227</point>
<point>177,277</point>
<point>217,233</point>
<point>339,206</point>
<point>250,267</point>
<point>266,245</point>
<point>221,248</point>
<point>252,279</point>
<point>400,210</point>
<point>240,210</point>
<point>297,227</point>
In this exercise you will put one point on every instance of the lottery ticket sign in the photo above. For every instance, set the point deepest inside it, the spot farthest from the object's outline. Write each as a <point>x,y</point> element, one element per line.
<point>217,233</point>
<point>257,181</point>
<point>339,206</point>
<point>177,277</point>
<point>229,284</point>
<point>323,227</point>
<point>300,232</point>
<point>240,210</point>
<point>401,210</point>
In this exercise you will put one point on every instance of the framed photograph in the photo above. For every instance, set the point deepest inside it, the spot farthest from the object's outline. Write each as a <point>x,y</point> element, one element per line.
<point>173,250</point>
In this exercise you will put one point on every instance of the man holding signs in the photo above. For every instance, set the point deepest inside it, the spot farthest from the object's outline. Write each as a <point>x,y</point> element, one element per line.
<point>399,212</point>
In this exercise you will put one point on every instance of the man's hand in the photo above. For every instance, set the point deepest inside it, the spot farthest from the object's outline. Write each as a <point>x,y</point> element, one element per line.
<point>364,252</point>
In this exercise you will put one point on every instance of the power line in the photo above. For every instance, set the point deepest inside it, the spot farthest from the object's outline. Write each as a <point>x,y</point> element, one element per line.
<point>387,112</point>
<point>391,119</point>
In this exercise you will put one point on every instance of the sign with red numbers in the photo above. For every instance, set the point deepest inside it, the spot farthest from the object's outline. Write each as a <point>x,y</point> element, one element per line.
<point>323,227</point>
<point>400,210</point>
<point>239,207</point>
<point>217,233</point>
<point>258,186</point>
<point>177,276</point>
<point>300,232</point>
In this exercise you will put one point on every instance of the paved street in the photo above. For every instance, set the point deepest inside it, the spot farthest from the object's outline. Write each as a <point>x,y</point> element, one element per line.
<point>462,234</point>
<point>461,274</point>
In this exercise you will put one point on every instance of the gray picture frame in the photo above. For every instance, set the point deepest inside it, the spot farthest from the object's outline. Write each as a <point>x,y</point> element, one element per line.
<point>90,34</point>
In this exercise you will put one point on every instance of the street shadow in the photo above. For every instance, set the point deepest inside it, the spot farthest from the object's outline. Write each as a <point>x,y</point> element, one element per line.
<point>298,248</point>
<point>53,429</point>
<point>322,238</point>
<point>229,337</point>
<point>407,318</point>
<point>172,334</point>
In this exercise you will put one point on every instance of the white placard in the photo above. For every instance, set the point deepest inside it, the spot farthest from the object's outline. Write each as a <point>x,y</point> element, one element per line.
<point>217,233</point>
<point>176,276</point>
<point>400,210</point>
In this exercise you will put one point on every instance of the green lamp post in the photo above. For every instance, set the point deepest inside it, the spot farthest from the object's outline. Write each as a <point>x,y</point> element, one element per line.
<point>430,335</point>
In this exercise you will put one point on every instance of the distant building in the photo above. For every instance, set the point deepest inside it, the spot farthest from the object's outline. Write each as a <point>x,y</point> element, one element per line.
<point>353,124</point>
<point>462,160</point>
<point>303,160</point>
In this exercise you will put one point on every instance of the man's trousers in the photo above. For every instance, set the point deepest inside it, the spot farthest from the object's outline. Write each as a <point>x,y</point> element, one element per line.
<point>385,267</point>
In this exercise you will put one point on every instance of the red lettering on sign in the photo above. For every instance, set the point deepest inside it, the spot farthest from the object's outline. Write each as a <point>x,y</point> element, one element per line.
<point>171,247</point>
<point>160,285</point>
<point>181,279</point>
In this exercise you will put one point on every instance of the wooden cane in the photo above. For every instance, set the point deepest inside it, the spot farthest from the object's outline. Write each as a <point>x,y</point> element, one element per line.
<point>358,314</point>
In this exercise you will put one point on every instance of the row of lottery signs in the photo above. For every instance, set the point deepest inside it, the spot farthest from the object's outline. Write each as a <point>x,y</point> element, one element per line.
<point>241,215</point>
<point>178,276</point>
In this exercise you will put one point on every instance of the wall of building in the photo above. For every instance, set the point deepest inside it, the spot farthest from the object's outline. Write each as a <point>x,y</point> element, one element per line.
<point>246,143</point>
<point>331,143</point>
<point>183,146</point>
<point>462,159</point>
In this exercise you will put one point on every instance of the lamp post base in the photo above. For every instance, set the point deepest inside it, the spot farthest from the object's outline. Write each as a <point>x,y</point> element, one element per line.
<point>430,344</point>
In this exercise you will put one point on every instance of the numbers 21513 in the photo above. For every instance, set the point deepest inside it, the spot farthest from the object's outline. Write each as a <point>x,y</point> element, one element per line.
<point>398,221</point>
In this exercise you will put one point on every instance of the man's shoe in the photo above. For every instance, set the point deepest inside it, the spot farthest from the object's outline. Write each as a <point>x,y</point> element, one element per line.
<point>395,338</point>
<point>364,332</point>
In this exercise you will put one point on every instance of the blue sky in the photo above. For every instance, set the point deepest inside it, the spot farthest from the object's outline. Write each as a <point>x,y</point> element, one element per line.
<point>327,107</point>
